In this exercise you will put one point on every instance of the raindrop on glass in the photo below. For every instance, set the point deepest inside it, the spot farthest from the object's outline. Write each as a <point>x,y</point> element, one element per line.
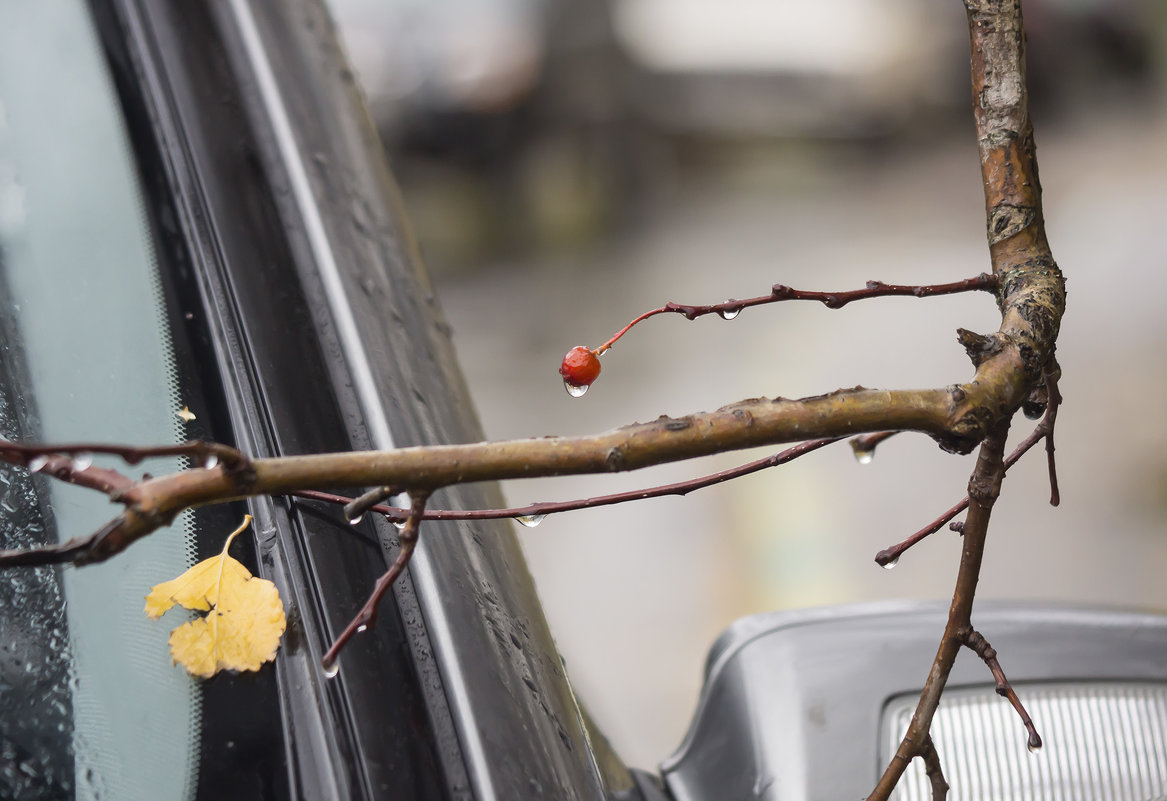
<point>211,463</point>
<point>82,461</point>
<point>530,521</point>
<point>575,391</point>
<point>891,564</point>
<point>38,463</point>
<point>864,456</point>
<point>331,669</point>
<point>352,521</point>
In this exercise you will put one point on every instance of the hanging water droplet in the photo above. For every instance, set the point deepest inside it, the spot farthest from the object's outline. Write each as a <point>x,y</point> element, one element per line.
<point>82,461</point>
<point>729,314</point>
<point>864,455</point>
<point>331,669</point>
<point>530,521</point>
<point>211,462</point>
<point>575,391</point>
<point>1033,747</point>
<point>399,524</point>
<point>352,521</point>
<point>37,463</point>
<point>362,628</point>
<point>891,564</point>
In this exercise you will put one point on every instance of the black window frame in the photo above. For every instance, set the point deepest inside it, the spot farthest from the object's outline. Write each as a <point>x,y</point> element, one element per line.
<point>458,690</point>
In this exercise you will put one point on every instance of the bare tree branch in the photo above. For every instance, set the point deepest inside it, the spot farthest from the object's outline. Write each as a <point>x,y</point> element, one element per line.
<point>980,646</point>
<point>1044,430</point>
<point>368,613</point>
<point>934,771</point>
<point>539,510</point>
<point>984,487</point>
<point>202,454</point>
<point>832,300</point>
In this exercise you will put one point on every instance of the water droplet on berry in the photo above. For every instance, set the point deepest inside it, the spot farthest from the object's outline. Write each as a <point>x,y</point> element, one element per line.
<point>864,455</point>
<point>331,669</point>
<point>575,391</point>
<point>891,564</point>
<point>530,521</point>
<point>38,463</point>
<point>729,314</point>
<point>82,461</point>
<point>211,463</point>
<point>352,521</point>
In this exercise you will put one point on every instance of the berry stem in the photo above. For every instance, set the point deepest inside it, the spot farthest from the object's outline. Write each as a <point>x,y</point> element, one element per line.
<point>832,300</point>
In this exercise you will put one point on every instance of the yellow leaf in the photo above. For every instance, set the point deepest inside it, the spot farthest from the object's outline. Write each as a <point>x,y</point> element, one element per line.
<point>244,620</point>
<point>197,588</point>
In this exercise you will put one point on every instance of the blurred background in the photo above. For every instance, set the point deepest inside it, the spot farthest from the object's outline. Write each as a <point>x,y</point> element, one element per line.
<point>568,165</point>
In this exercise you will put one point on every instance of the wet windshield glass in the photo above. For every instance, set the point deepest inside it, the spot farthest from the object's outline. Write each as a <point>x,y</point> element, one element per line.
<point>89,702</point>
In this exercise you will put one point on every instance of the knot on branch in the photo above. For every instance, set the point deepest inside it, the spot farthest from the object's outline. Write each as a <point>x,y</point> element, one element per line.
<point>967,430</point>
<point>1035,403</point>
<point>968,422</point>
<point>1007,220</point>
<point>686,311</point>
<point>978,644</point>
<point>674,423</point>
<point>978,346</point>
<point>984,489</point>
<point>615,461</point>
<point>988,6</point>
<point>1036,290</point>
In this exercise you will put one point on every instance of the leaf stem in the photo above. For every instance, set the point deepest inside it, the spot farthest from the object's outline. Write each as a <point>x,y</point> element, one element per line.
<point>213,612</point>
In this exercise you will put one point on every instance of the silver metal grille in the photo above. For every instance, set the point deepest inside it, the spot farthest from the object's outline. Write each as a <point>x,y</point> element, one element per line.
<point>1102,742</point>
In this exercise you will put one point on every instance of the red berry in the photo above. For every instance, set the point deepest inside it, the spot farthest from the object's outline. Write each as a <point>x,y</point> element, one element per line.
<point>580,366</point>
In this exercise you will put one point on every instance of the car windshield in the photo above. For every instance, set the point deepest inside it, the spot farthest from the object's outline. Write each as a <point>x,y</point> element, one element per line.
<point>89,703</point>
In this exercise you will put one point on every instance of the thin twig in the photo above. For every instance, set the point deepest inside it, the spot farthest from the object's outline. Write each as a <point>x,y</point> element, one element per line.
<point>864,445</point>
<point>368,613</point>
<point>832,300</point>
<point>201,452</point>
<point>892,553</point>
<point>355,507</point>
<point>1043,430</point>
<point>980,646</point>
<point>1055,400</point>
<point>74,470</point>
<point>933,770</point>
<point>984,487</point>
<point>397,514</point>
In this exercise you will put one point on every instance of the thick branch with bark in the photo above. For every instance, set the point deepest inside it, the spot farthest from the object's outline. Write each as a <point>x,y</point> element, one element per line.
<point>1032,300</point>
